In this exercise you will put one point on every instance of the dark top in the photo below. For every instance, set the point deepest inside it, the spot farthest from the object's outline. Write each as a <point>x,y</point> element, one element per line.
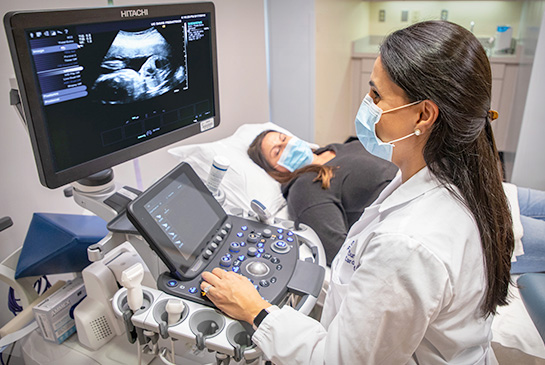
<point>358,180</point>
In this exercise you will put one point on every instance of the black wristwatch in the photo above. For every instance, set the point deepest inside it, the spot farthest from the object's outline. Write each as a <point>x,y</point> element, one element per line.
<point>259,318</point>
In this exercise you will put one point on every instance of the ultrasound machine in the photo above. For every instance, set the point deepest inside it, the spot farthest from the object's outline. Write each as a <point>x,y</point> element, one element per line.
<point>98,87</point>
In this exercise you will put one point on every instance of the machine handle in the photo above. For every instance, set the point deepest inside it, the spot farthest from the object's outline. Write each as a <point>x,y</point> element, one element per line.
<point>5,223</point>
<point>307,281</point>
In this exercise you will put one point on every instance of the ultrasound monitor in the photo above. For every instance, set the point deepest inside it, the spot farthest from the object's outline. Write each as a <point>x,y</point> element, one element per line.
<point>102,86</point>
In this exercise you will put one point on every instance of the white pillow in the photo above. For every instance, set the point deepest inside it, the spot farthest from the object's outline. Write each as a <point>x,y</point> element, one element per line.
<point>244,180</point>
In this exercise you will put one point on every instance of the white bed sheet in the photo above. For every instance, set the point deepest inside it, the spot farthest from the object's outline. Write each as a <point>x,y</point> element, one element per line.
<point>514,334</point>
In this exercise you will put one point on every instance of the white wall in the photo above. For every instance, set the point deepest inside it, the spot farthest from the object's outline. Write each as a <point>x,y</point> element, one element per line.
<point>292,65</point>
<point>338,24</point>
<point>529,166</point>
<point>243,99</point>
<point>487,15</point>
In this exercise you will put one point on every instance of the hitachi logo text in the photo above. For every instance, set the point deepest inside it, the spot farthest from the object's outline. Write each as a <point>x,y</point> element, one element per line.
<point>131,13</point>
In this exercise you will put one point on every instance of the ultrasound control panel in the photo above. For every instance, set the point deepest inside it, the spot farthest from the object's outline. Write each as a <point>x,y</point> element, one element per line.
<point>266,255</point>
<point>189,230</point>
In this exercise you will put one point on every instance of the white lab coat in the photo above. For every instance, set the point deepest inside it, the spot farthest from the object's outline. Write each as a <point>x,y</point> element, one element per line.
<point>406,288</point>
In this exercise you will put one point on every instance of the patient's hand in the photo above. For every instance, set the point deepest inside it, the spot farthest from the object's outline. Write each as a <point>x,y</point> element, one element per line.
<point>234,294</point>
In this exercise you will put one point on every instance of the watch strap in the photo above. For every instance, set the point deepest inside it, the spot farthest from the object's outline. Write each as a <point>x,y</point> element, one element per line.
<point>260,317</point>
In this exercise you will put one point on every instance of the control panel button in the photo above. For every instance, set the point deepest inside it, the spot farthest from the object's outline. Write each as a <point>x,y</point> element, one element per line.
<point>236,269</point>
<point>267,256</point>
<point>264,283</point>
<point>278,267</point>
<point>244,228</point>
<point>267,233</point>
<point>218,239</point>
<point>172,283</point>
<point>227,226</point>
<point>258,268</point>
<point>212,246</point>
<point>274,280</point>
<point>193,290</point>
<point>275,260</point>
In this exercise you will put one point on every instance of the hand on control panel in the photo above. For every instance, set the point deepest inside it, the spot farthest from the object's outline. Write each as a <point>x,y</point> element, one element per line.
<point>234,294</point>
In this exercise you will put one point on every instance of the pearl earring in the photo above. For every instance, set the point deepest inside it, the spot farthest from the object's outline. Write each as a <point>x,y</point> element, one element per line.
<point>417,132</point>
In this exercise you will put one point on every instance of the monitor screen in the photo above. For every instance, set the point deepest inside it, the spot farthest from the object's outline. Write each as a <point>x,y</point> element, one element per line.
<point>102,86</point>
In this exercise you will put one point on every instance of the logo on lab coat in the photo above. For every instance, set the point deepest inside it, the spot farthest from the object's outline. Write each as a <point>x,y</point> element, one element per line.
<point>350,256</point>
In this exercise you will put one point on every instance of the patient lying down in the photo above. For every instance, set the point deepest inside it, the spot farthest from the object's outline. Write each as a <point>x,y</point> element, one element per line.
<point>327,188</point>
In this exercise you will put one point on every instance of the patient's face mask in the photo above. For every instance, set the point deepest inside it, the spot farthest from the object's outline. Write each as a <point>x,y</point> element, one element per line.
<point>368,116</point>
<point>296,154</point>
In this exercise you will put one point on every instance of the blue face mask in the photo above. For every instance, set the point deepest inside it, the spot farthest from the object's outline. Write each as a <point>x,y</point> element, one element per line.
<point>296,154</point>
<point>368,116</point>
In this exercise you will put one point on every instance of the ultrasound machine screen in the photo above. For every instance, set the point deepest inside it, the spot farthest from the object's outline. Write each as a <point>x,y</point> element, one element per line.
<point>103,86</point>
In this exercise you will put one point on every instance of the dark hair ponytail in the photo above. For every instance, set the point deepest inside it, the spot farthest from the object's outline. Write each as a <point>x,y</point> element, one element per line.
<point>323,173</point>
<point>443,62</point>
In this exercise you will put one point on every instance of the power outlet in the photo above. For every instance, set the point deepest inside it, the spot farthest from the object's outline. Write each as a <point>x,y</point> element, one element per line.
<point>444,14</point>
<point>404,15</point>
<point>382,15</point>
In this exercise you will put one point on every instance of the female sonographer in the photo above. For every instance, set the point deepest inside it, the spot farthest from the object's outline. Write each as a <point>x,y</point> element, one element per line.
<point>421,274</point>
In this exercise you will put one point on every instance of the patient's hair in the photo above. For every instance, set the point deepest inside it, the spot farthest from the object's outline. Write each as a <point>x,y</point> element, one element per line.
<point>445,63</point>
<point>323,173</point>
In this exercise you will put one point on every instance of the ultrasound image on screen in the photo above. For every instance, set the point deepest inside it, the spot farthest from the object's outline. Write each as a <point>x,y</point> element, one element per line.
<point>138,65</point>
<point>108,86</point>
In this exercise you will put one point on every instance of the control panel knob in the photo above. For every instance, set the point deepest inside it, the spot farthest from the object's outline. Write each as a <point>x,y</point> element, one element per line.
<point>252,238</point>
<point>206,254</point>
<point>234,247</point>
<point>225,261</point>
<point>267,233</point>
<point>280,247</point>
<point>252,251</point>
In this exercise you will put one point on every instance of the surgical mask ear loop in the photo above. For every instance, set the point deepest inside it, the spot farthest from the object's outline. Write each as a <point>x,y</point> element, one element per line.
<point>416,132</point>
